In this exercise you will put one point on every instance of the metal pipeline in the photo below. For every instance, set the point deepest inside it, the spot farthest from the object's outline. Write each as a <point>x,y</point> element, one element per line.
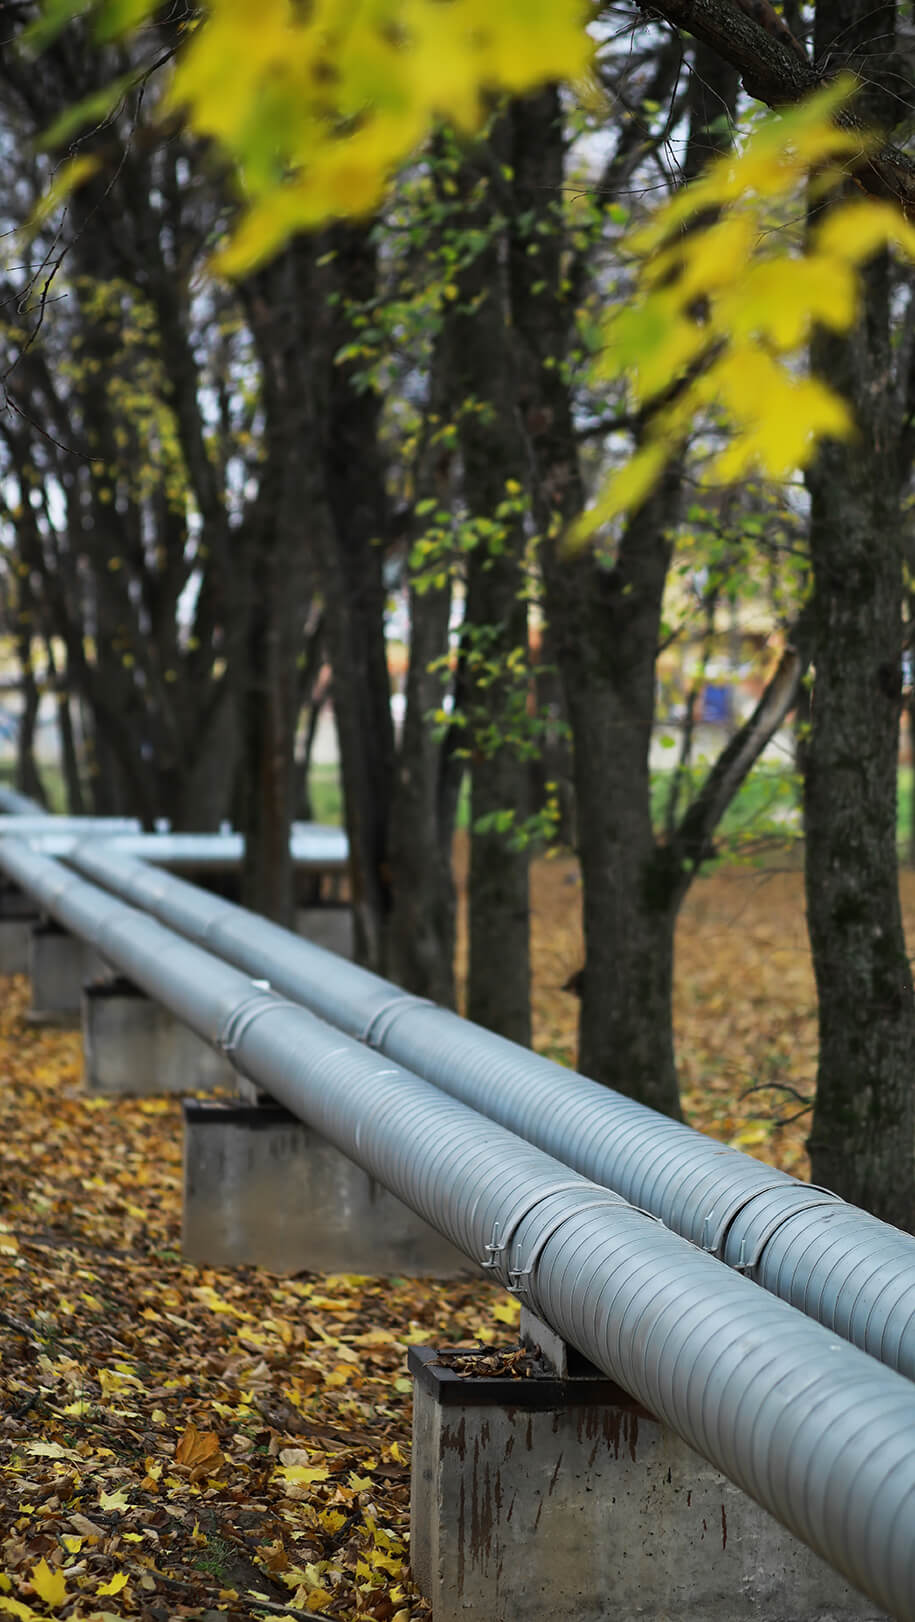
<point>311,845</point>
<point>838,1264</point>
<point>19,805</point>
<point>38,824</point>
<point>819,1434</point>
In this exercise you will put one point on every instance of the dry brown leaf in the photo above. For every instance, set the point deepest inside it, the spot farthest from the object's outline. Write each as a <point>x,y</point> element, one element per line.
<point>198,1452</point>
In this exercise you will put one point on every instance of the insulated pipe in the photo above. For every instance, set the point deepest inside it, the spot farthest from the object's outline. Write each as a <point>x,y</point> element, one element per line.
<point>40,824</point>
<point>836,1263</point>
<point>19,805</point>
<point>311,845</point>
<point>815,1431</point>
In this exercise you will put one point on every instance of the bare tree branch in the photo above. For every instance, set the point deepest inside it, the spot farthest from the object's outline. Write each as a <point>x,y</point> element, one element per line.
<point>693,836</point>
<point>777,76</point>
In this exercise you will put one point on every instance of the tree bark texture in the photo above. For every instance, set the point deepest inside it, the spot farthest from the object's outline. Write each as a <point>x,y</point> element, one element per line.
<point>272,575</point>
<point>421,931</point>
<point>351,556</point>
<point>862,1140</point>
<point>604,611</point>
<point>483,376</point>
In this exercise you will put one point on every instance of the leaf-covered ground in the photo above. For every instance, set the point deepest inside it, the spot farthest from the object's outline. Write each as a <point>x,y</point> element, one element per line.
<point>186,1442</point>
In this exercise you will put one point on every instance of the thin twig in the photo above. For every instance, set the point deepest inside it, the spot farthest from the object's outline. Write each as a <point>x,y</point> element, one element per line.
<point>781,1087</point>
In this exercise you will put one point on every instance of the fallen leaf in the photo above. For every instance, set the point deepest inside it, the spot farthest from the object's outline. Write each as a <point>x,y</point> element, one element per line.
<point>115,1501</point>
<point>198,1452</point>
<point>51,1586</point>
<point>87,1528</point>
<point>16,1607</point>
<point>118,1581</point>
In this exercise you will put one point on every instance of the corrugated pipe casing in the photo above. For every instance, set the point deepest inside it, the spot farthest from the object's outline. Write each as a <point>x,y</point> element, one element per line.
<point>799,1242</point>
<point>820,1434</point>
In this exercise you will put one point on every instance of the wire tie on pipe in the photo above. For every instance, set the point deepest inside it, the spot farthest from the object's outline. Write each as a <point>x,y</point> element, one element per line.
<point>242,1018</point>
<point>497,1247</point>
<point>383,1018</point>
<point>519,1278</point>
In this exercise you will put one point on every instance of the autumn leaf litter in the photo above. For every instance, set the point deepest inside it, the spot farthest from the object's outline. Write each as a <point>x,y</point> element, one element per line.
<point>176,1440</point>
<point>184,1442</point>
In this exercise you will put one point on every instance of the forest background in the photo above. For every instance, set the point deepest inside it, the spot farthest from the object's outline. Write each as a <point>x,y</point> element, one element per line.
<point>211,487</point>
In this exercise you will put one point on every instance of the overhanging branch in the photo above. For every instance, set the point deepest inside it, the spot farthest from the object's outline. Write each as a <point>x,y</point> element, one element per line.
<point>776,76</point>
<point>692,841</point>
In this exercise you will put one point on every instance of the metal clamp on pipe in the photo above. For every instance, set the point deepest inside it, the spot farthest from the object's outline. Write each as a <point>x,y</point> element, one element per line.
<point>715,1245</point>
<point>519,1278</point>
<point>243,1016</point>
<point>745,1265</point>
<point>497,1247</point>
<point>377,1028</point>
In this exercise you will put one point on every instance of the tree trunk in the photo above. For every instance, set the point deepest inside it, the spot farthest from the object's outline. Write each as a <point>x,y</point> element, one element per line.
<point>28,779</point>
<point>73,787</point>
<point>351,563</point>
<point>861,1142</point>
<point>484,385</point>
<point>421,927</point>
<point>604,619</point>
<point>604,629</point>
<point>606,626</point>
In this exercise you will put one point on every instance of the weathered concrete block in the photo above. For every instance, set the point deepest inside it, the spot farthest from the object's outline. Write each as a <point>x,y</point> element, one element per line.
<point>328,926</point>
<point>537,1499</point>
<point>262,1189</point>
<point>18,916</point>
<point>59,966</point>
<point>15,935</point>
<point>133,1046</point>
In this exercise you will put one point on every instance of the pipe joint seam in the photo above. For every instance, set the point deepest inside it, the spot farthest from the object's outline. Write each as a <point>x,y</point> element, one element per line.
<point>379,1024</point>
<point>745,1264</point>
<point>242,1018</point>
<point>499,1247</point>
<point>519,1278</point>
<point>714,1242</point>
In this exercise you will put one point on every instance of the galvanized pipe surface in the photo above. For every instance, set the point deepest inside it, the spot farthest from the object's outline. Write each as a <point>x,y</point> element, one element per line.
<point>311,845</point>
<point>40,824</point>
<point>15,804</point>
<point>836,1263</point>
<point>818,1433</point>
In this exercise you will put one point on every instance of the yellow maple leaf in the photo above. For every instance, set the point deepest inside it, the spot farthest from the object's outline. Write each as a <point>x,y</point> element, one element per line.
<point>116,1501</point>
<point>302,1475</point>
<point>18,1608</point>
<point>116,1583</point>
<point>49,1585</point>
